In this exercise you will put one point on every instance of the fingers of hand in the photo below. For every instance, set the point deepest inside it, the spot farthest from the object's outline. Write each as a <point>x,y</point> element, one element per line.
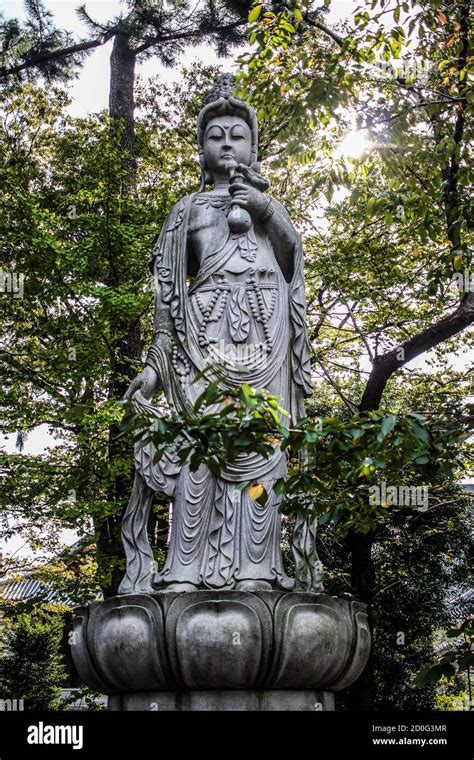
<point>236,187</point>
<point>136,382</point>
<point>240,203</point>
<point>148,389</point>
<point>129,392</point>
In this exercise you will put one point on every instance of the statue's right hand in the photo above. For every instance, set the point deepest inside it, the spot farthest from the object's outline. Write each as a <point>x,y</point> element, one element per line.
<point>147,382</point>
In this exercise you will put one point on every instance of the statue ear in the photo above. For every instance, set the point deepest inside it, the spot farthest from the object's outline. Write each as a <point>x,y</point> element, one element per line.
<point>206,176</point>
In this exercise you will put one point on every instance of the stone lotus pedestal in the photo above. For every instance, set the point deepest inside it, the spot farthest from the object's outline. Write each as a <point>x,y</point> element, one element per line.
<point>221,650</point>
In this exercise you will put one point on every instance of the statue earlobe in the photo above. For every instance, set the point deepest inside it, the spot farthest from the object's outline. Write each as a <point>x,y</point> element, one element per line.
<point>206,179</point>
<point>206,176</point>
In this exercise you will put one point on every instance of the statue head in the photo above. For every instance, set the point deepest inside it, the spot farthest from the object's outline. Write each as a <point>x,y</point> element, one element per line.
<point>226,130</point>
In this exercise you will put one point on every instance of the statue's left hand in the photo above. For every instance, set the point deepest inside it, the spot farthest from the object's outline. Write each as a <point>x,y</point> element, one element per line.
<point>147,382</point>
<point>249,198</point>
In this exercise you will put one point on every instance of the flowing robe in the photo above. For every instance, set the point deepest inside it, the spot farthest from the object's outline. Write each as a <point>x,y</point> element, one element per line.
<point>238,311</point>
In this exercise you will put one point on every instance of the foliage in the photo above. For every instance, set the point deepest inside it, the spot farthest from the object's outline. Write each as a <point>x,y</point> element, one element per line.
<point>88,697</point>
<point>459,659</point>
<point>37,37</point>
<point>30,664</point>
<point>383,257</point>
<point>148,29</point>
<point>340,457</point>
<point>419,557</point>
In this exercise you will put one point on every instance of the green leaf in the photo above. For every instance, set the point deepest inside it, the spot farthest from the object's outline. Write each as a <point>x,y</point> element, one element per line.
<point>255,13</point>
<point>241,486</point>
<point>420,432</point>
<point>387,426</point>
<point>432,674</point>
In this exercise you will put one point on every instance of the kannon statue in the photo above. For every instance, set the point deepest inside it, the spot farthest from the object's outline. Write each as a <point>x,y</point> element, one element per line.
<point>229,291</point>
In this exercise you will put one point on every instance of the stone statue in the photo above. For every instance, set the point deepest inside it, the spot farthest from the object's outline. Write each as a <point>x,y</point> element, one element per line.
<point>229,290</point>
<point>228,271</point>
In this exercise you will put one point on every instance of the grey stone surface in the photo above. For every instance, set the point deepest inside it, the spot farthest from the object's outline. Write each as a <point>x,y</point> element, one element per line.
<point>220,640</point>
<point>207,701</point>
<point>243,309</point>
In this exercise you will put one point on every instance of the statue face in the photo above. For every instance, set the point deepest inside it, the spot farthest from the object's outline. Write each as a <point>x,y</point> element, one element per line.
<point>227,138</point>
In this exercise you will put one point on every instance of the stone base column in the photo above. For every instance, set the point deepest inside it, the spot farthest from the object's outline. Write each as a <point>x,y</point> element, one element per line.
<point>286,700</point>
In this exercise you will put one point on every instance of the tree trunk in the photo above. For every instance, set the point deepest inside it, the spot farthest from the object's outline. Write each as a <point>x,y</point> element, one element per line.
<point>362,692</point>
<point>122,104</point>
<point>127,341</point>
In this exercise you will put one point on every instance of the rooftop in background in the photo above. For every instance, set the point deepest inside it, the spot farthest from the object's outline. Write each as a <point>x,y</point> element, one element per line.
<point>20,590</point>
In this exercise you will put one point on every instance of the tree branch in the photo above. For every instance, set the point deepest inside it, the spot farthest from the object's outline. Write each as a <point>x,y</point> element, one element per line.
<point>318,25</point>
<point>163,37</point>
<point>384,366</point>
<point>328,377</point>
<point>54,55</point>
